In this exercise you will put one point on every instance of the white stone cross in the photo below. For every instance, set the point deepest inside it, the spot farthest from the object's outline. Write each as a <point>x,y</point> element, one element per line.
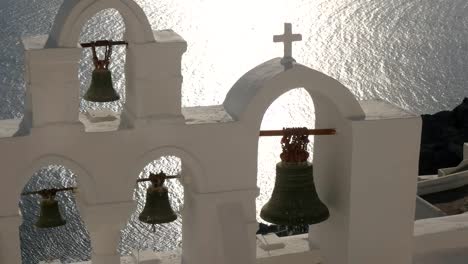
<point>287,38</point>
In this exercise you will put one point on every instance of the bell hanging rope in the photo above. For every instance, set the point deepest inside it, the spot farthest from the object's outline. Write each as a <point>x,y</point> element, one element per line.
<point>49,215</point>
<point>294,200</point>
<point>157,209</point>
<point>101,88</point>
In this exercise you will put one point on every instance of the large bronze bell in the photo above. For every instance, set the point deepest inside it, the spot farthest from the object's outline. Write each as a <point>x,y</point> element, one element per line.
<point>101,88</point>
<point>157,209</point>
<point>50,214</point>
<point>294,200</point>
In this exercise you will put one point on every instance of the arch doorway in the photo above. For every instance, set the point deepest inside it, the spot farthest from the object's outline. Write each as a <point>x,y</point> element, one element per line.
<point>294,108</point>
<point>70,242</point>
<point>138,236</point>
<point>107,24</point>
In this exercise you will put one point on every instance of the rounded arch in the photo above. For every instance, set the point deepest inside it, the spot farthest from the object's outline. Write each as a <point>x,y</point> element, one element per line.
<point>254,92</point>
<point>278,115</point>
<point>192,170</point>
<point>86,183</point>
<point>73,14</point>
<point>335,107</point>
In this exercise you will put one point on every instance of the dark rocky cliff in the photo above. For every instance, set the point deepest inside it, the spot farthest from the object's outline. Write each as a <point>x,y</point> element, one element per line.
<point>442,138</point>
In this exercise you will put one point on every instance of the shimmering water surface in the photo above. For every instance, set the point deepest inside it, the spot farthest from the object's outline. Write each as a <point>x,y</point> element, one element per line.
<point>412,53</point>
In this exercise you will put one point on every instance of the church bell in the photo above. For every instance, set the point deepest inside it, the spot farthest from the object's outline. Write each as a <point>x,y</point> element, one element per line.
<point>294,200</point>
<point>157,208</point>
<point>101,88</point>
<point>49,215</point>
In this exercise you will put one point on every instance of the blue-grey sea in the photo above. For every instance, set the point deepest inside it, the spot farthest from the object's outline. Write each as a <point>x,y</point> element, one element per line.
<point>413,53</point>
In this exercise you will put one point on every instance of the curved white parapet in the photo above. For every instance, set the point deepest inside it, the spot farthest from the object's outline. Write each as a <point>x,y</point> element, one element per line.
<point>73,14</point>
<point>257,89</point>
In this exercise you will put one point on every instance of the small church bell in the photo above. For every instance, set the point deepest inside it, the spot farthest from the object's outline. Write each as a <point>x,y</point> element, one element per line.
<point>49,215</point>
<point>294,200</point>
<point>101,88</point>
<point>157,209</point>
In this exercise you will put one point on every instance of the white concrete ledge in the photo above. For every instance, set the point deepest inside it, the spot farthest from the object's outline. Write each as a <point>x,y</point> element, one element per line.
<point>108,121</point>
<point>447,179</point>
<point>462,166</point>
<point>441,233</point>
<point>465,151</point>
<point>442,184</point>
<point>34,42</point>
<point>295,250</point>
<point>152,257</point>
<point>380,109</point>
<point>100,121</point>
<point>269,242</point>
<point>206,115</point>
<point>8,127</point>
<point>123,260</point>
<point>55,261</point>
<point>425,210</point>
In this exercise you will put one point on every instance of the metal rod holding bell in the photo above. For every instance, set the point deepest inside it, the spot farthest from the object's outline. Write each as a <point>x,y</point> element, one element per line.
<point>49,215</point>
<point>157,209</point>
<point>317,132</point>
<point>102,43</point>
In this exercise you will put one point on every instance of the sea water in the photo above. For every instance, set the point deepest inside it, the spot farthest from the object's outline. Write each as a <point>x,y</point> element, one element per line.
<point>412,53</point>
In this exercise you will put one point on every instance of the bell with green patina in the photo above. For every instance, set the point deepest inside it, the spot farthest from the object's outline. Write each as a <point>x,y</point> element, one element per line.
<point>101,88</point>
<point>157,209</point>
<point>49,215</point>
<point>294,200</point>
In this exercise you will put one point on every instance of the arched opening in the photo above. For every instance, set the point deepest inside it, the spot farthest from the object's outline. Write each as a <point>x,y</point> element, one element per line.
<point>107,24</point>
<point>144,240</point>
<point>335,108</point>
<point>70,242</point>
<point>294,108</point>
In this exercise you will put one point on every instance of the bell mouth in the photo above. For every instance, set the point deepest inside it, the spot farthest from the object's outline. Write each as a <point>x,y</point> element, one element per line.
<point>101,89</point>
<point>294,200</point>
